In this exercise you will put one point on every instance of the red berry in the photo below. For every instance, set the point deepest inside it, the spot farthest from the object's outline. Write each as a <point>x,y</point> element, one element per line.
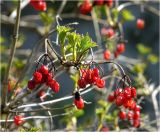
<point>130,115</point>
<point>55,86</point>
<point>119,99</point>
<point>82,83</point>
<point>89,77</point>
<point>116,54</point>
<point>120,48</point>
<point>85,7</point>
<point>44,70</point>
<point>98,2</point>
<point>49,78</point>
<point>37,77</point>
<point>133,92</point>
<point>107,32</point>
<point>127,92</point>
<point>137,108</point>
<point>136,123</point>
<point>31,84</point>
<point>41,93</point>
<point>39,5</point>
<point>136,115</point>
<point>129,103</point>
<point>96,72</point>
<point>100,83</point>
<point>140,23</point>
<point>122,115</point>
<point>109,3</point>
<point>79,103</point>
<point>104,129</point>
<point>107,55</point>
<point>18,120</point>
<point>111,97</point>
<point>117,92</point>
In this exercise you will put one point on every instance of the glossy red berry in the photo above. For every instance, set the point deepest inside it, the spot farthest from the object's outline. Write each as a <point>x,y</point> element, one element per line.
<point>89,77</point>
<point>136,123</point>
<point>98,2</point>
<point>120,48</point>
<point>111,97</point>
<point>39,5</point>
<point>37,77</point>
<point>137,108</point>
<point>107,55</point>
<point>140,23</point>
<point>95,72</point>
<point>136,115</point>
<point>127,92</point>
<point>117,92</point>
<point>31,84</point>
<point>110,32</point>
<point>133,92</point>
<point>119,99</point>
<point>18,120</point>
<point>79,103</point>
<point>100,83</point>
<point>116,54</point>
<point>122,115</point>
<point>85,7</point>
<point>55,87</point>
<point>44,70</point>
<point>49,78</point>
<point>82,83</point>
<point>109,3</point>
<point>41,93</point>
<point>130,115</point>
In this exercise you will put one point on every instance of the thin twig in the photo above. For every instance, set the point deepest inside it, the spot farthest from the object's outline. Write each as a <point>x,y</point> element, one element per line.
<point>13,49</point>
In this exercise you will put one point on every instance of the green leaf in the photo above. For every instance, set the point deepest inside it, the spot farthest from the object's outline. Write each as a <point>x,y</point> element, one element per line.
<point>115,14</point>
<point>127,15</point>
<point>2,39</point>
<point>47,17</point>
<point>99,111</point>
<point>86,43</point>
<point>152,58</point>
<point>78,113</point>
<point>139,68</point>
<point>143,49</point>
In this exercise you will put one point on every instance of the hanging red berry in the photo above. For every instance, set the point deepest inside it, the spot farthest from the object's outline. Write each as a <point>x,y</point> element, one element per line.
<point>82,83</point>
<point>140,23</point>
<point>100,83</point>
<point>31,84</point>
<point>18,120</point>
<point>122,115</point>
<point>109,3</point>
<point>85,7</point>
<point>120,48</point>
<point>78,101</point>
<point>39,5</point>
<point>107,55</point>
<point>44,70</point>
<point>37,77</point>
<point>98,2</point>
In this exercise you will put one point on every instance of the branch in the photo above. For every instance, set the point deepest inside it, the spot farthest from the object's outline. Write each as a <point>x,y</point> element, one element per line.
<point>13,49</point>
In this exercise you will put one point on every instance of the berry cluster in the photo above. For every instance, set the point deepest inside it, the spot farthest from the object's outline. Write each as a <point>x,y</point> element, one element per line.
<point>140,23</point>
<point>78,101</point>
<point>86,6</point>
<point>18,120</point>
<point>43,75</point>
<point>90,76</point>
<point>125,98</point>
<point>39,5</point>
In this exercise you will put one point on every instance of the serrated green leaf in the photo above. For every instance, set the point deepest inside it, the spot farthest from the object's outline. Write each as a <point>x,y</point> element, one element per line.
<point>153,58</point>
<point>78,113</point>
<point>143,49</point>
<point>127,15</point>
<point>102,103</point>
<point>115,14</point>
